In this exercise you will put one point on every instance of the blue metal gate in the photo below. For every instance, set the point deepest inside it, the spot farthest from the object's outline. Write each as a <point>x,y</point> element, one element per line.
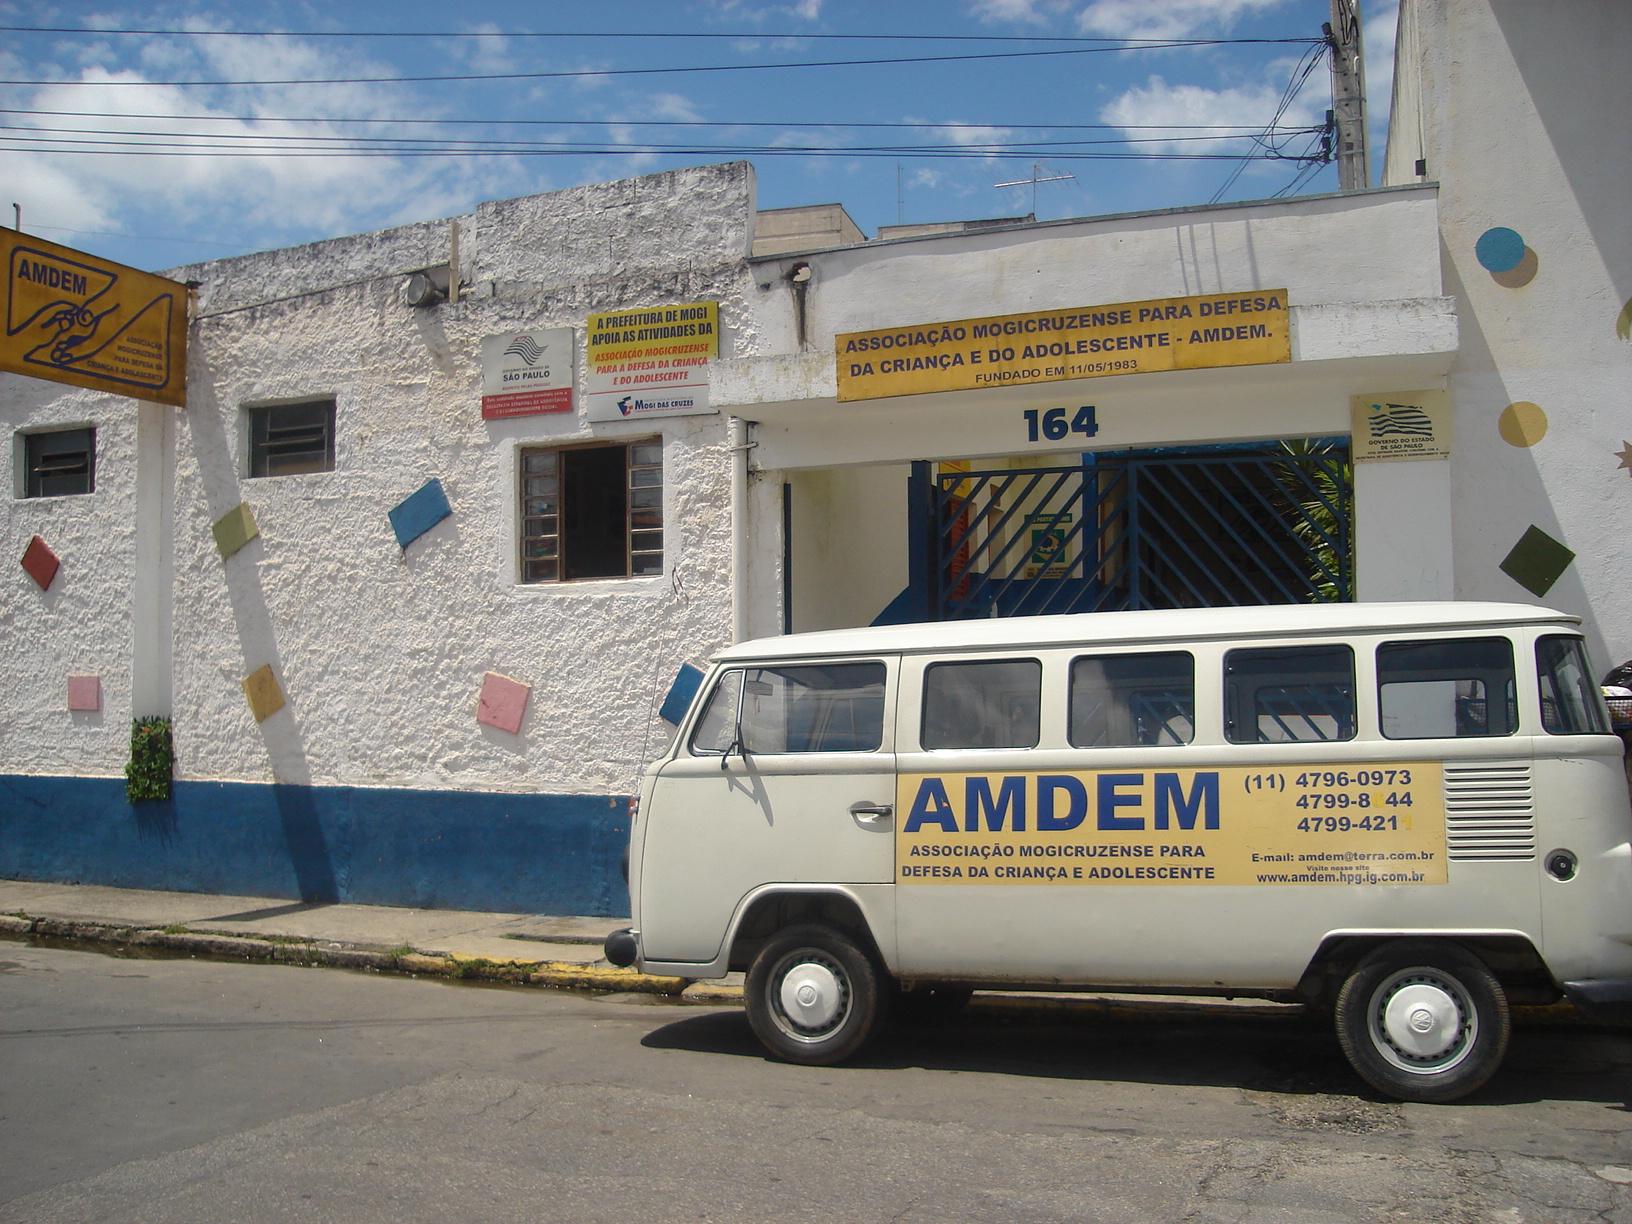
<point>1214,527</point>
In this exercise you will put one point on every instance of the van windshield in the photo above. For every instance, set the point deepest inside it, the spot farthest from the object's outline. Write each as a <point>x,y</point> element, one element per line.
<point>833,707</point>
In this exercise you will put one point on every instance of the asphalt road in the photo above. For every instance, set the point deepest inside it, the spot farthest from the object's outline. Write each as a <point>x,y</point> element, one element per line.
<point>177,1090</point>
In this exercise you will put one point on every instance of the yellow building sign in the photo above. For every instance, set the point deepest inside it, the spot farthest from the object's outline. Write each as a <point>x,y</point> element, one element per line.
<point>73,318</point>
<point>1188,333</point>
<point>1310,824</point>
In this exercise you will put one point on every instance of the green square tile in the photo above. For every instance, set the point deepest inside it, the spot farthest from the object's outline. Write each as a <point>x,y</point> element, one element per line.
<point>1537,561</point>
<point>234,529</point>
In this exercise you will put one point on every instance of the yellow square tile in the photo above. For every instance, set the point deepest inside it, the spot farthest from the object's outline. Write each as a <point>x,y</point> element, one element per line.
<point>265,695</point>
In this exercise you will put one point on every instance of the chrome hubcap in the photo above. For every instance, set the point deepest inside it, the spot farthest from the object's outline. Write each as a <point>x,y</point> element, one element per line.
<point>1423,1021</point>
<point>812,997</point>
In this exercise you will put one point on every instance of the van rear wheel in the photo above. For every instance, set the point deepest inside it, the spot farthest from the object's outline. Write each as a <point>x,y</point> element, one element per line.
<point>813,996</point>
<point>1423,1022</point>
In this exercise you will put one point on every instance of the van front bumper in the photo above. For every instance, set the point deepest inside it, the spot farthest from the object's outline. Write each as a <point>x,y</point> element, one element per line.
<point>1603,998</point>
<point>622,947</point>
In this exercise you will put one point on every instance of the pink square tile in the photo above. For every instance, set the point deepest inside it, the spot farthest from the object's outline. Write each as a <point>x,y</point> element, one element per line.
<point>503,702</point>
<point>84,693</point>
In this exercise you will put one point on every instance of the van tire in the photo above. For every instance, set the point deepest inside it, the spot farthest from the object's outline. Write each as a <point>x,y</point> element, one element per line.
<point>1423,1021</point>
<point>813,996</point>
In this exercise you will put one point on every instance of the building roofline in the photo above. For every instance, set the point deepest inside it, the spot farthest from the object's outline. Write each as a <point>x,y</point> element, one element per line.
<point>1033,226</point>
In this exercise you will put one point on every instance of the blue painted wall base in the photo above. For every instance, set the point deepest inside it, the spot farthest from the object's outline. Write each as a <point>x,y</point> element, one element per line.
<point>538,854</point>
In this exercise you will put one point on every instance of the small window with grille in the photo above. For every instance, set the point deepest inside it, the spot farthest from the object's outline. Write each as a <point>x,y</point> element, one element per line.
<point>591,512</point>
<point>291,439</point>
<point>59,463</point>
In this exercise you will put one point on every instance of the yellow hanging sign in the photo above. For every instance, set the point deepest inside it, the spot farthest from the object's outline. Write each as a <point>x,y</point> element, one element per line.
<point>73,318</point>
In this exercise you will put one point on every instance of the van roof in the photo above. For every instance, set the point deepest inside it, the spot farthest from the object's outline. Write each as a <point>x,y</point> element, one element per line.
<point>1182,624</point>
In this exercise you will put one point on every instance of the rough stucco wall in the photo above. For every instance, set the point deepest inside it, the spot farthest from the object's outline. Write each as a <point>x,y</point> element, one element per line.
<point>1368,248</point>
<point>1517,99</point>
<point>82,624</point>
<point>381,654</point>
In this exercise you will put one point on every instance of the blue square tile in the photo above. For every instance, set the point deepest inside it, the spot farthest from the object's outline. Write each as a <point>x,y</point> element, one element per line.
<point>419,512</point>
<point>681,692</point>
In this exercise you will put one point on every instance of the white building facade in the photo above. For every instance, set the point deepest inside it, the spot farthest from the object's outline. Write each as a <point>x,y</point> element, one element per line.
<point>1414,392</point>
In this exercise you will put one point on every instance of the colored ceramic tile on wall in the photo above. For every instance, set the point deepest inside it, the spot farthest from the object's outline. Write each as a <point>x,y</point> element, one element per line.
<point>684,688</point>
<point>234,529</point>
<point>84,693</point>
<point>1502,252</point>
<point>419,512</point>
<point>264,693</point>
<point>1537,561</point>
<point>40,563</point>
<point>503,702</point>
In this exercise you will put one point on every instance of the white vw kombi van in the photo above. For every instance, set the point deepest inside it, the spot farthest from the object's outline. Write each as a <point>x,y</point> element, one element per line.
<point>1408,813</point>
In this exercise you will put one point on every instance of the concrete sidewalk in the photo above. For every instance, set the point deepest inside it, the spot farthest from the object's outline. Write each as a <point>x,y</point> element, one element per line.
<point>529,949</point>
<point>517,949</point>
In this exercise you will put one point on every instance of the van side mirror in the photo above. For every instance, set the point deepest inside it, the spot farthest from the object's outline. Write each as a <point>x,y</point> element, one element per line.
<point>735,746</point>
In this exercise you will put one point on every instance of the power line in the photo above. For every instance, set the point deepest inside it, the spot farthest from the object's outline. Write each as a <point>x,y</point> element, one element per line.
<point>1300,74</point>
<point>741,36</point>
<point>920,125</point>
<point>113,148</point>
<point>54,134</point>
<point>566,74</point>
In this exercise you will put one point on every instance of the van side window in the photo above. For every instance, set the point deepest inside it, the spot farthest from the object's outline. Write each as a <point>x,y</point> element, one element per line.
<point>1446,689</point>
<point>982,705</point>
<point>1133,700</point>
<point>833,707</point>
<point>1570,702</point>
<point>1289,694</point>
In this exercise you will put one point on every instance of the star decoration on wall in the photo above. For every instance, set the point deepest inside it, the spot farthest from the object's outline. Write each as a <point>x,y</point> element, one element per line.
<point>1625,455</point>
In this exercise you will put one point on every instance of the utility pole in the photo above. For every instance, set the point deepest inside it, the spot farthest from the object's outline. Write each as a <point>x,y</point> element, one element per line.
<point>1349,95</point>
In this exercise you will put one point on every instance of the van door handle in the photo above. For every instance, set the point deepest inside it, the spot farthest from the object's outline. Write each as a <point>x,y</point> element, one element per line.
<point>872,813</point>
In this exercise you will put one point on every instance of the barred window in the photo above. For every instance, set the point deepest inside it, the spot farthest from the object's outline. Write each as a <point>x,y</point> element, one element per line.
<point>591,512</point>
<point>59,463</point>
<point>291,439</point>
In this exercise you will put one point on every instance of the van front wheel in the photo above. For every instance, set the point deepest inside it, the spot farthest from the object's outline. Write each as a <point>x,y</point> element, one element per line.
<point>1423,1022</point>
<point>813,996</point>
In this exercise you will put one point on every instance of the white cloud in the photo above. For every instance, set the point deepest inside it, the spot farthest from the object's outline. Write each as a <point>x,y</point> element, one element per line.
<point>1168,18</point>
<point>1160,111</point>
<point>221,195</point>
<point>1017,12</point>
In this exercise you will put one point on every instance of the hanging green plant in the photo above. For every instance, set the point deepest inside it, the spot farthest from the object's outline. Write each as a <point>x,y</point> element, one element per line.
<point>152,760</point>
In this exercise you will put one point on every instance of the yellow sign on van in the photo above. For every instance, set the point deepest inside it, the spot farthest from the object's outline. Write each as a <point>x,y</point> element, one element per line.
<point>1312,824</point>
<point>73,318</point>
<point>1187,333</point>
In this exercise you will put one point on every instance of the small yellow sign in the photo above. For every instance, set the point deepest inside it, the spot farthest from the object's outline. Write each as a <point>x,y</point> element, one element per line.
<point>1314,824</point>
<point>73,318</point>
<point>1400,425</point>
<point>1188,333</point>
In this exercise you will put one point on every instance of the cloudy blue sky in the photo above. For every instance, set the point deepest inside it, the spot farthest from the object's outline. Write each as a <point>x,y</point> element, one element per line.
<point>161,134</point>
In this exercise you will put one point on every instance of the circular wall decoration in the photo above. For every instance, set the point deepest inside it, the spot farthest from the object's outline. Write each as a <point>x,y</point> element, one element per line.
<point>1502,253</point>
<point>1522,424</point>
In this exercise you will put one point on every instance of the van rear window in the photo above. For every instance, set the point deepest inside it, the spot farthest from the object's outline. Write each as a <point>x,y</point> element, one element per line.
<point>1289,694</point>
<point>982,705</point>
<point>1133,700</point>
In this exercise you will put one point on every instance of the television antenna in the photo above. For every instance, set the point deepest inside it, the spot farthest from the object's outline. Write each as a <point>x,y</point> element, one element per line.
<point>1037,176</point>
